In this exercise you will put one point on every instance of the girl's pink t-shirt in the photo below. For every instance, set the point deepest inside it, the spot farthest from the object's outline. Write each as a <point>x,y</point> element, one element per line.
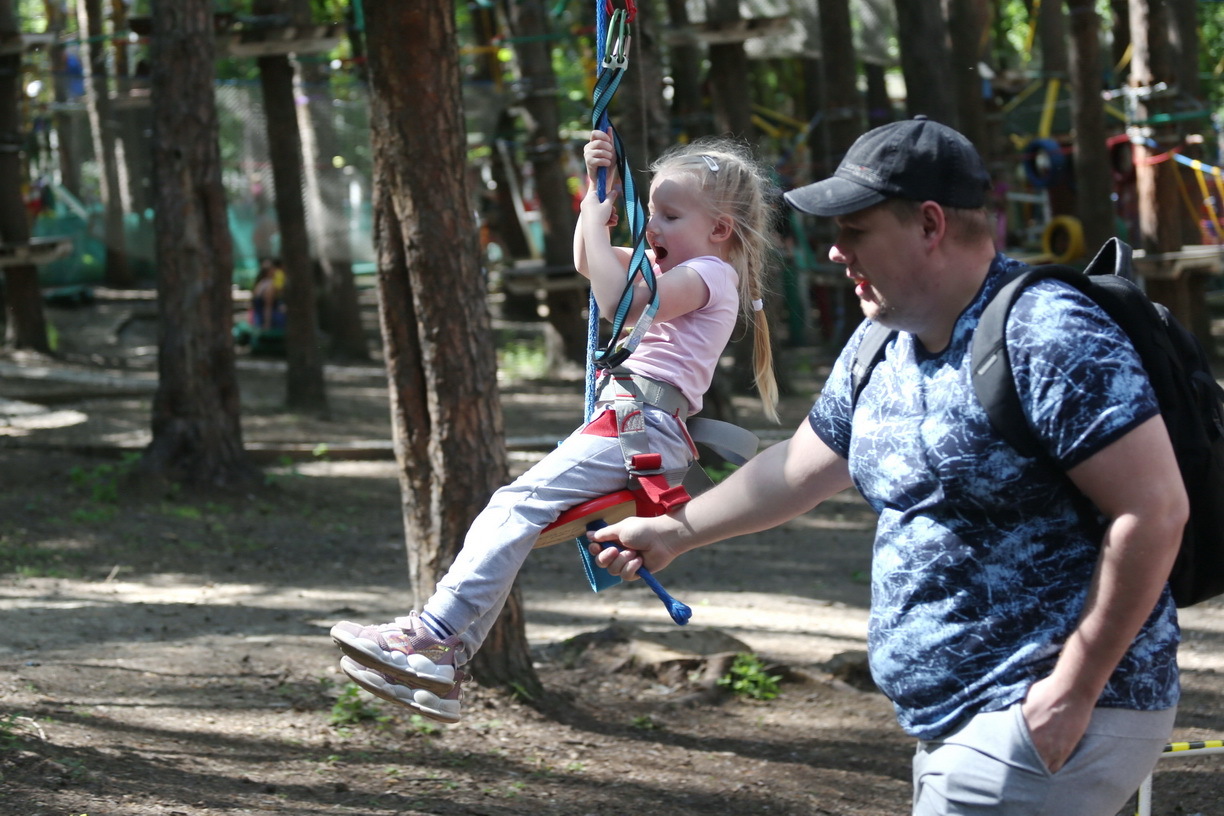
<point>684,351</point>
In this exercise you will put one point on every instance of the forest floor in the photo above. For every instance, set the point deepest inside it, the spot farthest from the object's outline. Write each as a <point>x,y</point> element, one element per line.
<point>168,654</point>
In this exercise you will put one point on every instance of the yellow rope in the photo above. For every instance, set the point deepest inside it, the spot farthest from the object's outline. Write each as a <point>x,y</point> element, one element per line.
<point>1208,199</point>
<point>1047,112</point>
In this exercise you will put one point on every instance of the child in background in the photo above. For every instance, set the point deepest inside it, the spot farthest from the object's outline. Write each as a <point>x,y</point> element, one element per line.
<point>709,240</point>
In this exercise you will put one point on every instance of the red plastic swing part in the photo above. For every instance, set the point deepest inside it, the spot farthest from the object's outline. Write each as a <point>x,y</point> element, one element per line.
<point>610,509</point>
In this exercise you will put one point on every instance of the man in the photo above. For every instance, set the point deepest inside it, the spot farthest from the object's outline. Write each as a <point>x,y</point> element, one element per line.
<point>1020,618</point>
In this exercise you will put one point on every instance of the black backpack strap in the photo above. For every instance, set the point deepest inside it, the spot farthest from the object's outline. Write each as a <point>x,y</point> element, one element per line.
<point>869,352</point>
<point>993,381</point>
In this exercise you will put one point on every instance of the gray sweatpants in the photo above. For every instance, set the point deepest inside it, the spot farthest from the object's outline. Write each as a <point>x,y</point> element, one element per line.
<point>584,466</point>
<point>990,767</point>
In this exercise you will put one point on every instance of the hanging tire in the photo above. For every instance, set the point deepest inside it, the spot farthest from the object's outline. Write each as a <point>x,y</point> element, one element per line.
<point>1045,164</point>
<point>1063,239</point>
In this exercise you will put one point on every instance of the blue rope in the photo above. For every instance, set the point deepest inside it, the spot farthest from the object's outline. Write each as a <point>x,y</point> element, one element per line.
<point>592,376</point>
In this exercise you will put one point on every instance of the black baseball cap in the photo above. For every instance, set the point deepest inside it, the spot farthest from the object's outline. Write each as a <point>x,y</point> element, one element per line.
<point>917,159</point>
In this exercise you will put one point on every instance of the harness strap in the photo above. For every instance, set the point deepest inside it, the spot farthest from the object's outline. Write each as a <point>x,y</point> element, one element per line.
<point>622,384</point>
<point>629,393</point>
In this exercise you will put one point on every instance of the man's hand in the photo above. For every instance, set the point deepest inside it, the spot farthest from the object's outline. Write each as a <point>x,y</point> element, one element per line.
<point>638,541</point>
<point>1056,724</point>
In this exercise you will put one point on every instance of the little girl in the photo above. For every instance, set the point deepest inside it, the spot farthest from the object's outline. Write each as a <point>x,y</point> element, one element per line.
<point>708,235</point>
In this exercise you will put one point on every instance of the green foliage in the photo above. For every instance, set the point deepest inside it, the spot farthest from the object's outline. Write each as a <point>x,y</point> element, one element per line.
<point>32,561</point>
<point>102,481</point>
<point>720,471</point>
<point>424,726</point>
<point>523,360</point>
<point>351,708</point>
<point>8,739</point>
<point>644,722</point>
<point>1211,55</point>
<point>747,677</point>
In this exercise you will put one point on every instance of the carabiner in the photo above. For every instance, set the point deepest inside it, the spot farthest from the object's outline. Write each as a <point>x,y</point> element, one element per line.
<point>616,49</point>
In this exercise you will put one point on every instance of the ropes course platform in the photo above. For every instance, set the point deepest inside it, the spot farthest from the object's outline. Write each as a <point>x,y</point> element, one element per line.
<point>526,277</point>
<point>261,36</point>
<point>37,251</point>
<point>1201,258</point>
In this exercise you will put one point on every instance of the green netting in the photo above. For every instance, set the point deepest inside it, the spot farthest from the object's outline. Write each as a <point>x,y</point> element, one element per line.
<point>334,125</point>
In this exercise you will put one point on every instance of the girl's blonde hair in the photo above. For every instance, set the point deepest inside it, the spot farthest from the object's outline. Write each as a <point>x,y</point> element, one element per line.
<point>735,185</point>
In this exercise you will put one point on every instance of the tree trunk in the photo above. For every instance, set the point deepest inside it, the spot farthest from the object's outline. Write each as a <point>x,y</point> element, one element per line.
<point>339,308</point>
<point>1156,183</point>
<point>879,106</point>
<point>1052,40</point>
<point>728,76</point>
<point>688,102</point>
<point>926,61</point>
<point>305,387</point>
<point>966,23</point>
<point>1184,44</point>
<point>197,436</point>
<point>528,24</point>
<point>843,108</point>
<point>69,160</point>
<point>445,408</point>
<point>1121,40</point>
<point>1093,174</point>
<point>106,153</point>
<point>644,127</point>
<point>339,312</point>
<point>26,327</point>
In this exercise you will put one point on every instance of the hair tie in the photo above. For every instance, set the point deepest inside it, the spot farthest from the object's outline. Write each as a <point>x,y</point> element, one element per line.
<point>758,305</point>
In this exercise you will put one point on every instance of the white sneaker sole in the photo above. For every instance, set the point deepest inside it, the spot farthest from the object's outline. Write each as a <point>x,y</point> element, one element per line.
<point>415,670</point>
<point>423,701</point>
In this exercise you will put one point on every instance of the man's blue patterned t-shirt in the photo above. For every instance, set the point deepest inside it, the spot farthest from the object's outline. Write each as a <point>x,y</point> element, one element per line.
<point>982,557</point>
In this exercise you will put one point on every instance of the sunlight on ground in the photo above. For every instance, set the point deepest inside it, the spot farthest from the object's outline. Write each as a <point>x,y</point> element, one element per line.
<point>20,418</point>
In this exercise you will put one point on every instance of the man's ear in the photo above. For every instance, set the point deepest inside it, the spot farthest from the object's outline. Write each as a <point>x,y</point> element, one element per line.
<point>722,230</point>
<point>933,219</point>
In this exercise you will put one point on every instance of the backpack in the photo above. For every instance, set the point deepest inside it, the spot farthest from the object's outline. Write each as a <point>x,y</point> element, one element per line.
<point>1191,401</point>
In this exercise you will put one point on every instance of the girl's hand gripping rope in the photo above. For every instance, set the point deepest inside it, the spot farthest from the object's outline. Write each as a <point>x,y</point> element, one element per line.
<point>600,154</point>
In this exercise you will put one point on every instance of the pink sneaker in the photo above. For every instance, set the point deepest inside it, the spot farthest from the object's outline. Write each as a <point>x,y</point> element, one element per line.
<point>404,650</point>
<point>443,709</point>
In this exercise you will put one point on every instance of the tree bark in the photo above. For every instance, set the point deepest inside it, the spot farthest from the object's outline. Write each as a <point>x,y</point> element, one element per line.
<point>339,306</point>
<point>445,407</point>
<point>305,389</point>
<point>1184,43</point>
<point>1052,40</point>
<point>966,22</point>
<point>688,102</point>
<point>339,311</point>
<point>843,107</point>
<point>728,76</point>
<point>26,326</point>
<point>69,158</point>
<point>1093,174</point>
<point>197,436</point>
<point>528,24</point>
<point>926,61</point>
<point>102,125</point>
<point>1160,227</point>
<point>644,126</point>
